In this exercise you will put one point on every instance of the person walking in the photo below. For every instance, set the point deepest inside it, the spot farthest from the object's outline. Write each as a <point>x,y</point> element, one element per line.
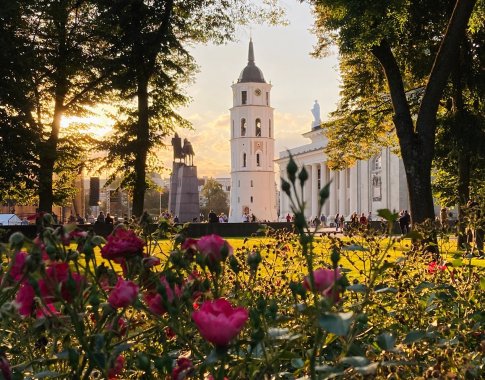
<point>337,221</point>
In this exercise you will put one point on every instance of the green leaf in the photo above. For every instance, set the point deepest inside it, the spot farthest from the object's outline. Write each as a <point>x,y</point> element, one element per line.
<point>386,341</point>
<point>424,285</point>
<point>369,369</point>
<point>414,336</point>
<point>385,289</point>
<point>358,288</point>
<point>457,263</point>
<point>482,283</point>
<point>46,374</point>
<point>336,323</point>
<point>355,361</point>
<point>387,215</point>
<point>213,357</point>
<point>297,363</point>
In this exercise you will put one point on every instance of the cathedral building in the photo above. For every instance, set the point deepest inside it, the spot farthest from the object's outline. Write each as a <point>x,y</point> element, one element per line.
<point>368,186</point>
<point>253,188</point>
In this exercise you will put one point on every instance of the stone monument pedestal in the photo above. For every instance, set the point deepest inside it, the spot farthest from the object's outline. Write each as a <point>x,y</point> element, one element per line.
<point>184,192</point>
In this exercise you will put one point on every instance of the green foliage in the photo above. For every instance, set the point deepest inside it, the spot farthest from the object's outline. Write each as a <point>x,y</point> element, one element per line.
<point>215,198</point>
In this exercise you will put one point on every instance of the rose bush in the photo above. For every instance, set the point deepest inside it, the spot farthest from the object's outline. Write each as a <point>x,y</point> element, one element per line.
<point>286,305</point>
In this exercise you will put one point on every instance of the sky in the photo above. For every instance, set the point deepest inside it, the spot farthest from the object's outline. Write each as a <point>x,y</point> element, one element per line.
<point>283,55</point>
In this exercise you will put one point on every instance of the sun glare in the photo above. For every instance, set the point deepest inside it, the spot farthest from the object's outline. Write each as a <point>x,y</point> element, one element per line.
<point>94,125</point>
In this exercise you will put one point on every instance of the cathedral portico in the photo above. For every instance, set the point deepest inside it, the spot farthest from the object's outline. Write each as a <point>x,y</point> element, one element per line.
<point>367,186</point>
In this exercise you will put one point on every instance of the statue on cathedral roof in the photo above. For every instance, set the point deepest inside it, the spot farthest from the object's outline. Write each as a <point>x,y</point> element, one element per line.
<point>316,115</point>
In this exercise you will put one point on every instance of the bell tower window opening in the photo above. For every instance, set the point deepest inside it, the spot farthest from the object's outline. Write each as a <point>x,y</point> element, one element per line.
<point>243,127</point>
<point>258,160</point>
<point>269,135</point>
<point>244,160</point>
<point>267,98</point>
<point>251,183</point>
<point>258,127</point>
<point>251,199</point>
<point>244,97</point>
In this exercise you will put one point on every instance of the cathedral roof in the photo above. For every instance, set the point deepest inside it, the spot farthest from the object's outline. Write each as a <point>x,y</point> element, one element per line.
<point>251,73</point>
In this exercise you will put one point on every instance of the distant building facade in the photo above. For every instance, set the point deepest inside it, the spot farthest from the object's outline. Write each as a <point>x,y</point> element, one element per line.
<point>368,186</point>
<point>253,188</point>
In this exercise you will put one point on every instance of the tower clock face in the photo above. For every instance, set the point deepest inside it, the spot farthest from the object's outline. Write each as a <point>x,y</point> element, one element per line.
<point>257,92</point>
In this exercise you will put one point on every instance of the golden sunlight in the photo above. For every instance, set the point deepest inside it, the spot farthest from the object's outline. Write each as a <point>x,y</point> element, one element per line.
<point>95,125</point>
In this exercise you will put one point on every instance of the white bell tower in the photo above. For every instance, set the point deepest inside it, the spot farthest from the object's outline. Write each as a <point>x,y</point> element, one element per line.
<point>253,187</point>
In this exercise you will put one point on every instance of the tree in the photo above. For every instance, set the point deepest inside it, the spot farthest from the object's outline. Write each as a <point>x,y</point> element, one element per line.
<point>151,65</point>
<point>381,29</point>
<point>215,198</point>
<point>55,69</point>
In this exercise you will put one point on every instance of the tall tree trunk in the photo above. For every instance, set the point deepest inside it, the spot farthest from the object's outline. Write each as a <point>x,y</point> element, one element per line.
<point>47,159</point>
<point>417,144</point>
<point>143,145</point>
<point>48,155</point>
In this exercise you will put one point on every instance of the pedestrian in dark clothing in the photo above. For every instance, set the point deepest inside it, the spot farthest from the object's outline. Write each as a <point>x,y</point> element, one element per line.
<point>213,218</point>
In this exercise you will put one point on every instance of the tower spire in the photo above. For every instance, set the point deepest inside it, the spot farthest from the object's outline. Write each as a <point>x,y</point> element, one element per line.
<point>251,52</point>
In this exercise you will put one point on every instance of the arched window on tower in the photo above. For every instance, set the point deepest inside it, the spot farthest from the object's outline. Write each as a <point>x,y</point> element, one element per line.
<point>244,160</point>
<point>258,127</point>
<point>269,128</point>
<point>243,127</point>
<point>258,160</point>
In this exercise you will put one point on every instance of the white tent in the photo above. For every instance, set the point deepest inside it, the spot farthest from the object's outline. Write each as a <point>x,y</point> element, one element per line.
<point>9,220</point>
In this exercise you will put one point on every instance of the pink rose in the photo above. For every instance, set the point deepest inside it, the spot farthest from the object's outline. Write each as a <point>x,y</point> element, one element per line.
<point>116,367</point>
<point>218,322</point>
<point>325,280</point>
<point>123,294</point>
<point>122,243</point>
<point>183,369</point>
<point>214,248</point>
<point>58,276</point>
<point>434,267</point>
<point>18,265</point>
<point>154,302</point>
<point>57,272</point>
<point>24,299</point>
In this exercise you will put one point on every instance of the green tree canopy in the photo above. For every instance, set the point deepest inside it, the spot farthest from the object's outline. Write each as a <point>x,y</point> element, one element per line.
<point>214,198</point>
<point>414,43</point>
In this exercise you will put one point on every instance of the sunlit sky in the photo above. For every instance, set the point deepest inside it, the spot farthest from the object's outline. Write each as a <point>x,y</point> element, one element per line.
<point>283,55</point>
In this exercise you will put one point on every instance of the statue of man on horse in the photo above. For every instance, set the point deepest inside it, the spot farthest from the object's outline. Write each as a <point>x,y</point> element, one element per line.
<point>185,152</point>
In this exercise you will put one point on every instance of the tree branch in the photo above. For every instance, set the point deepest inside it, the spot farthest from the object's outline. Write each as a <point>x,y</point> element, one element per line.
<point>442,66</point>
<point>402,114</point>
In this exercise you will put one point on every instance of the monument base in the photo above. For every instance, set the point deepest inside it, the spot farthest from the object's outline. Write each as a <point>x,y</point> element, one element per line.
<point>184,193</point>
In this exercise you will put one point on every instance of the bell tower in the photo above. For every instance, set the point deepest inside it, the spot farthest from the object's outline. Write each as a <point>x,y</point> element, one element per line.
<point>253,188</point>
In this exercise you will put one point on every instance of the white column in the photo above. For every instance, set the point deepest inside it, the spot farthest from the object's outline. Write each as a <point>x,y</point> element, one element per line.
<point>341,194</point>
<point>354,190</point>
<point>333,192</point>
<point>307,192</point>
<point>315,191</point>
<point>323,181</point>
